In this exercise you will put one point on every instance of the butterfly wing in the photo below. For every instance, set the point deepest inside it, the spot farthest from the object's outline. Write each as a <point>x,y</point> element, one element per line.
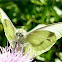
<point>43,38</point>
<point>8,27</point>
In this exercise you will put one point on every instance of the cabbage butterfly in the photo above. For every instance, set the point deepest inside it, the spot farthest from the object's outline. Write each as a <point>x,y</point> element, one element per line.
<point>40,39</point>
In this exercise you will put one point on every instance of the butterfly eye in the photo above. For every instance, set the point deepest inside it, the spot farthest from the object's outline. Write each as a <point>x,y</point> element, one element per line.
<point>19,34</point>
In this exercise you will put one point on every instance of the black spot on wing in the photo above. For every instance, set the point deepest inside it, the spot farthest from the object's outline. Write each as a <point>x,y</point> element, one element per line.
<point>49,39</point>
<point>51,34</point>
<point>40,43</point>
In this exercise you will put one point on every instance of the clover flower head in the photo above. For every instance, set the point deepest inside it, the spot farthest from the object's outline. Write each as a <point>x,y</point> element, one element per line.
<point>8,54</point>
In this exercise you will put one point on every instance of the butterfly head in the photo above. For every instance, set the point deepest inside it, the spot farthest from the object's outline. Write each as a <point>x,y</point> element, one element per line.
<point>21,33</point>
<point>18,34</point>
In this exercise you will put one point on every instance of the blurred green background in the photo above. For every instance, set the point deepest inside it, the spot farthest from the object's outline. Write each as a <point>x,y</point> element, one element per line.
<point>29,13</point>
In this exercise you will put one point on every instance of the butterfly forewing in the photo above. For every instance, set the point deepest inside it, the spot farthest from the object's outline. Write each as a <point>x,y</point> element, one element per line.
<point>9,28</point>
<point>41,40</point>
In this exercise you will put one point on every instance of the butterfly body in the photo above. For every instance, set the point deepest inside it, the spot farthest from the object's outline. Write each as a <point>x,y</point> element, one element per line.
<point>21,36</point>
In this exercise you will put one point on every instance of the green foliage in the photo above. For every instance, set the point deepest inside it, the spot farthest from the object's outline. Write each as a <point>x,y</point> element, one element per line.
<point>28,14</point>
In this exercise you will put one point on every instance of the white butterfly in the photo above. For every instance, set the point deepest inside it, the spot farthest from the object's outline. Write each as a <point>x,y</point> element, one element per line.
<point>39,39</point>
